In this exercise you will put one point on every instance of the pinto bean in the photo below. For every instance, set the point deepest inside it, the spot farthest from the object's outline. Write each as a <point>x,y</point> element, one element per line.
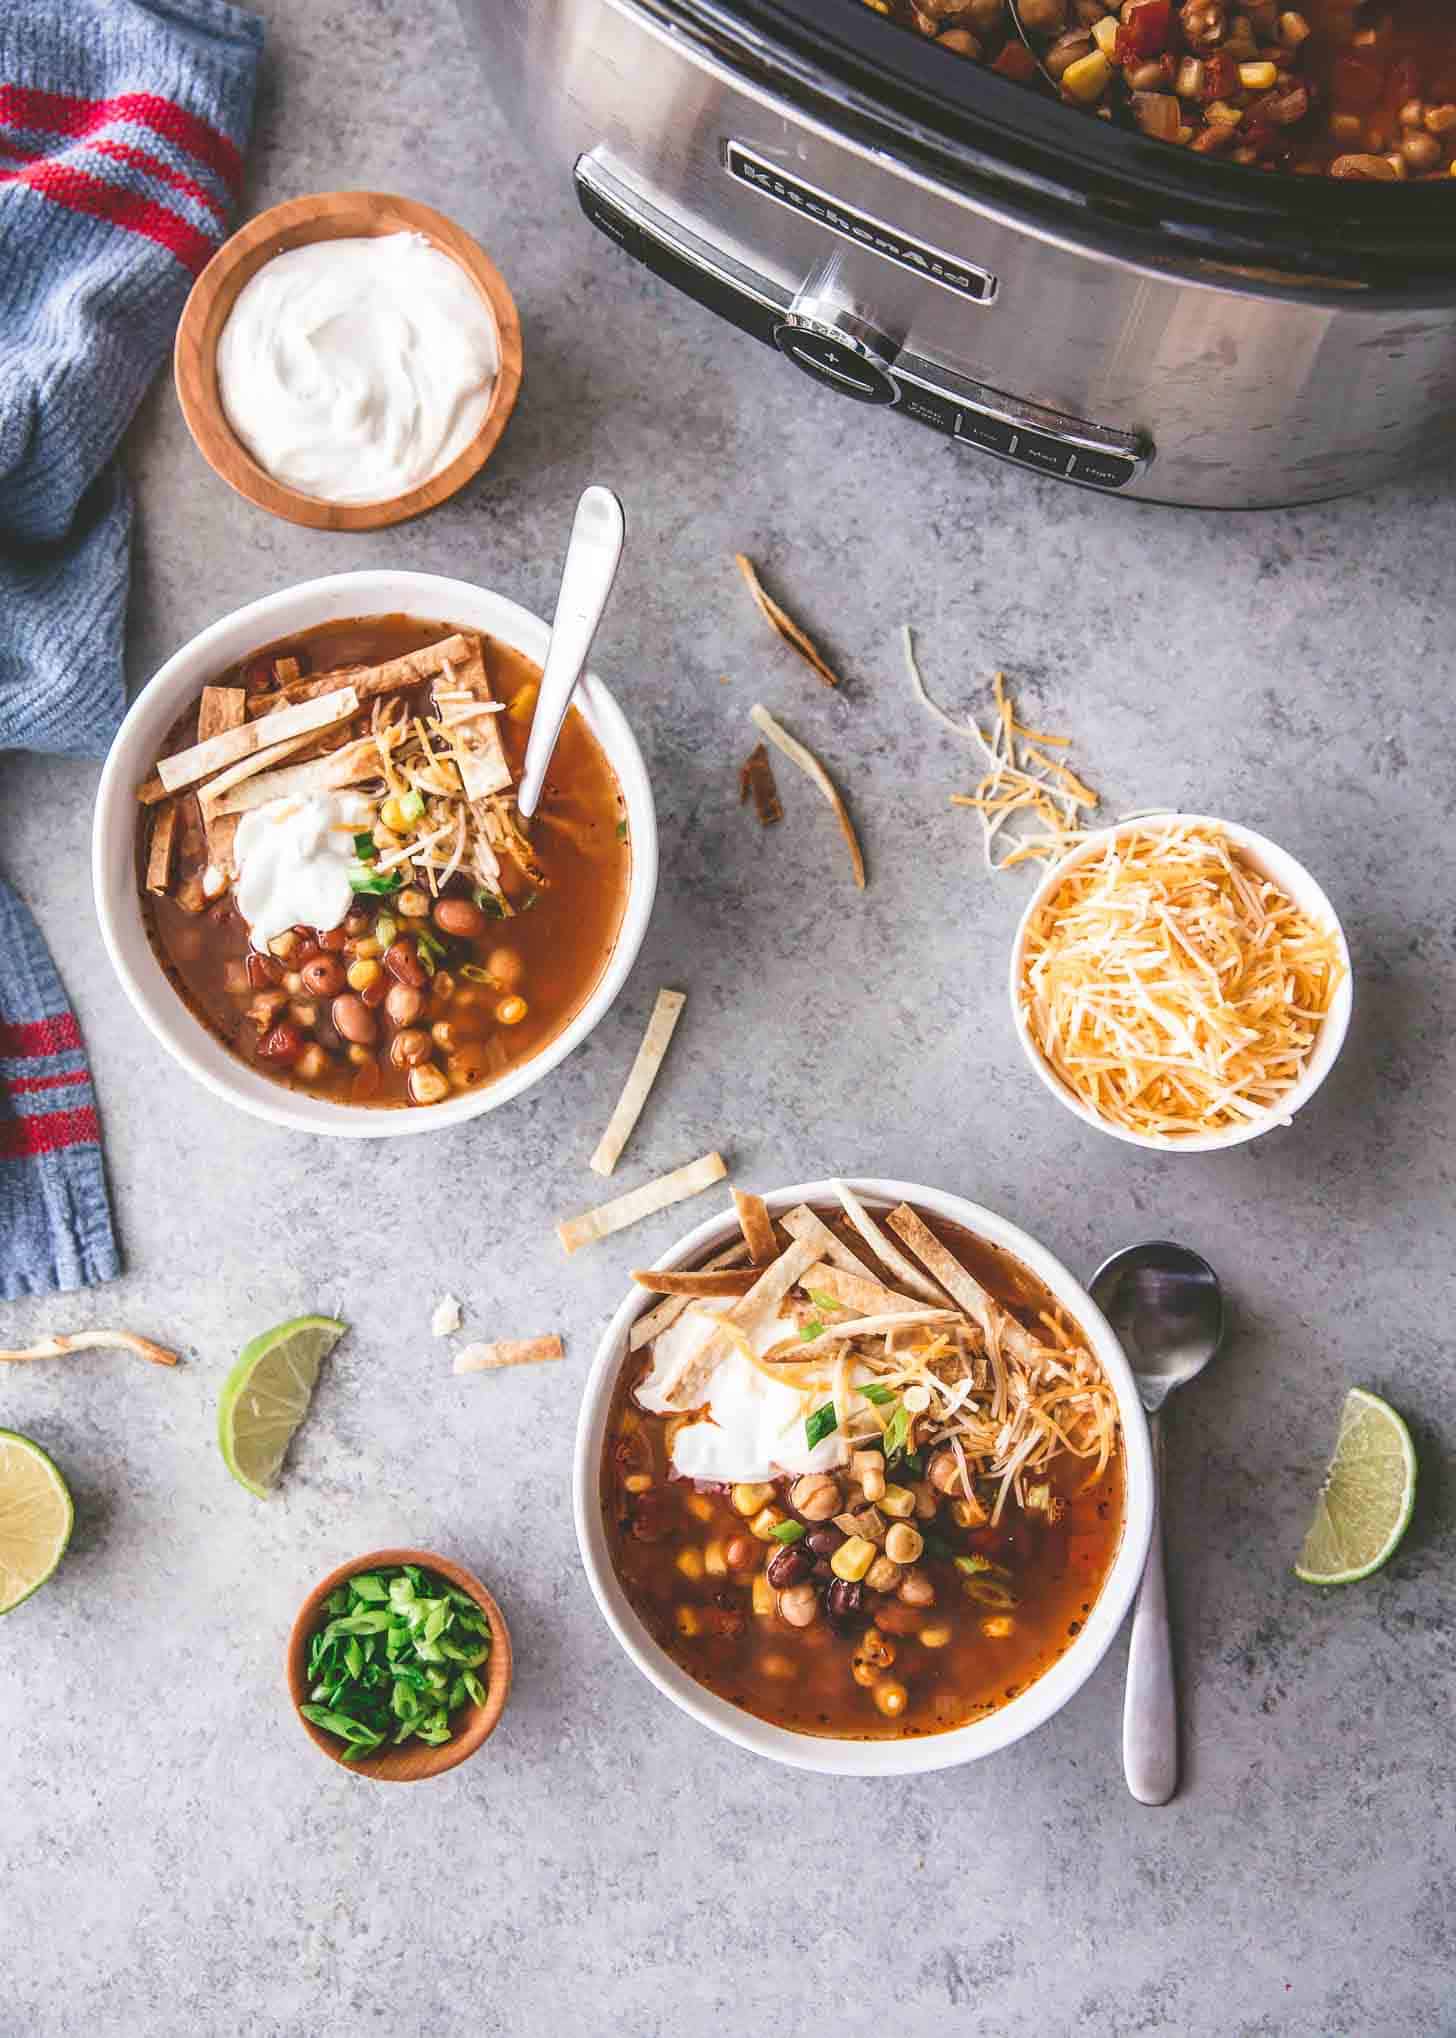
<point>404,1004</point>
<point>263,970</point>
<point>402,960</point>
<point>324,976</point>
<point>353,1019</point>
<point>410,1047</point>
<point>284,1044</point>
<point>460,917</point>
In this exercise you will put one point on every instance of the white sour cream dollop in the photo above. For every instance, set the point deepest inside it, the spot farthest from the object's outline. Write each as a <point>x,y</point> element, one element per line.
<point>293,859</point>
<point>355,369</point>
<point>754,1427</point>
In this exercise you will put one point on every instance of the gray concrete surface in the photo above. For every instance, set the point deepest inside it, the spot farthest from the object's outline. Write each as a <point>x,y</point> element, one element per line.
<point>176,1859</point>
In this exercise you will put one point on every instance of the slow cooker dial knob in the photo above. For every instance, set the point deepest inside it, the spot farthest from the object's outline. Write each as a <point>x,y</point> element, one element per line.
<point>838,347</point>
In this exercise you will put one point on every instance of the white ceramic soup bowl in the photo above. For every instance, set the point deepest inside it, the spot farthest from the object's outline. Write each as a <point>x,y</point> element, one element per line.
<point>829,1755</point>
<point>133,754</point>
<point>1295,882</point>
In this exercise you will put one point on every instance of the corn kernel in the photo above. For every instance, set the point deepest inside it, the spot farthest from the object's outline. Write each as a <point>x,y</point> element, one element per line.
<point>1259,77</point>
<point>891,1698</point>
<point>1222,114</point>
<point>690,1562</point>
<point>852,1559</point>
<point>998,1626</point>
<point>511,1011</point>
<point>898,1501</point>
<point>873,1481</point>
<point>1104,34</point>
<point>967,1514</point>
<point>775,1665</point>
<point>763,1593</point>
<point>765,1522</point>
<point>363,973</point>
<point>935,1638</point>
<point>903,1544</point>
<point>714,1561</point>
<point>1088,78</point>
<point>638,1482</point>
<point>393,816</point>
<point>700,1505</point>
<point>749,1499</point>
<point>688,1622</point>
<point>863,1673</point>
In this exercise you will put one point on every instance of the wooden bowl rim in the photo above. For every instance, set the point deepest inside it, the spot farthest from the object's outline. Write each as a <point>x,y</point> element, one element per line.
<point>194,355</point>
<point>481,1721</point>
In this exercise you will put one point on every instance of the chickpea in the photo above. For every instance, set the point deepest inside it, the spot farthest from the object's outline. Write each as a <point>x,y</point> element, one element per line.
<point>883,1575</point>
<point>1421,151</point>
<point>410,1048</point>
<point>927,1500</point>
<point>362,974</point>
<point>442,987</point>
<point>303,1012</point>
<point>917,1588</point>
<point>506,967</point>
<point>412,902</point>
<point>452,1034</point>
<point>875,1649</point>
<point>404,1004</point>
<point>467,1067</point>
<point>427,1085</point>
<point>293,983</point>
<point>312,1063</point>
<point>903,1544</point>
<point>799,1605</point>
<point>816,1496</point>
<point>1043,17</point>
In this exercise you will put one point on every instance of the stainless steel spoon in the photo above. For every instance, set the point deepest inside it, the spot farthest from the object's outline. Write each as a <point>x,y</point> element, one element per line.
<point>592,557</point>
<point>1165,1304</point>
<point>1014,10</point>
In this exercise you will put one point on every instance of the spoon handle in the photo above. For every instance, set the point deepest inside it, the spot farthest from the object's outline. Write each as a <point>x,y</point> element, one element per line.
<point>592,558</point>
<point>1150,1709</point>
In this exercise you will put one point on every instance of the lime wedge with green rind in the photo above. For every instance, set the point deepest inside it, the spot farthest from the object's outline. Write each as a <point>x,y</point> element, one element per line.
<point>36,1518</point>
<point>1365,1503</point>
<point>267,1394</point>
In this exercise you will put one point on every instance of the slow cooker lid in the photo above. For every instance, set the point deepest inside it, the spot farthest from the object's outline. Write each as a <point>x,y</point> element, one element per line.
<point>886,85</point>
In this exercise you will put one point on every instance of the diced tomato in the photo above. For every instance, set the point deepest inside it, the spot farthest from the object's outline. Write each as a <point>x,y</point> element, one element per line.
<point>1356,87</point>
<point>1220,76</point>
<point>1145,32</point>
<point>264,971</point>
<point>1017,62</point>
<point>284,1044</point>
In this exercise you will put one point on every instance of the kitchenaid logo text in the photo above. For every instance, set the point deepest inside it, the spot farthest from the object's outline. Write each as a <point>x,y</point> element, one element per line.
<point>865,232</point>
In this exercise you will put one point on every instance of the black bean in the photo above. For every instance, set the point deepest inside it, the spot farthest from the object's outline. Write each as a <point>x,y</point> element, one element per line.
<point>789,1566</point>
<point>825,1539</point>
<point>844,1600</point>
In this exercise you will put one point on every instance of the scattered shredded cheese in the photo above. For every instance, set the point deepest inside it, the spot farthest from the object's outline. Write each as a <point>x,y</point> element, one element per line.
<point>1172,987</point>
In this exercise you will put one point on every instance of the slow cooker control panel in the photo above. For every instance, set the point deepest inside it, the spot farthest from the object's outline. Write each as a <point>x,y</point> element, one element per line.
<point>836,346</point>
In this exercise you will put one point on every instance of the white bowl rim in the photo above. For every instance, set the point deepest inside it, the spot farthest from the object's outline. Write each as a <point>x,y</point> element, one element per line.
<point>370,591</point>
<point>822,1753</point>
<point>1306,892</point>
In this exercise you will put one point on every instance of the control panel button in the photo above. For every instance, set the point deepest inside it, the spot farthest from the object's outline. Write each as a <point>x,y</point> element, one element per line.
<point>941,413</point>
<point>1102,470</point>
<point>839,366</point>
<point>992,433</point>
<point>1048,455</point>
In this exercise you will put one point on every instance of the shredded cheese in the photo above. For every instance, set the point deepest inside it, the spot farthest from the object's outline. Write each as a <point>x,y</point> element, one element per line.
<point>1172,987</point>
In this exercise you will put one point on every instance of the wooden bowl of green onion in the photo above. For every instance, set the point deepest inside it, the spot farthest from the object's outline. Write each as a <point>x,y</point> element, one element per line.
<point>399,1665</point>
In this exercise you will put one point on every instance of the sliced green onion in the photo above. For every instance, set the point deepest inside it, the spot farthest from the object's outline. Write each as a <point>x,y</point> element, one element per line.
<point>411,804</point>
<point>821,1301</point>
<point>873,1391</point>
<point>621,831</point>
<point>489,902</point>
<point>823,1422</point>
<point>991,1592</point>
<point>475,974</point>
<point>810,1330</point>
<point>364,845</point>
<point>897,1431</point>
<point>788,1532</point>
<point>362,879</point>
<point>431,950</point>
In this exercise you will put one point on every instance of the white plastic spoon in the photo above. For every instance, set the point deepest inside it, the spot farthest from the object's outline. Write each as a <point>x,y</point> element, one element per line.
<point>592,557</point>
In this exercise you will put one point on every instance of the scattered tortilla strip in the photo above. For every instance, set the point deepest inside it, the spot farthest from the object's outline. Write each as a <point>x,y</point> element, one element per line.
<point>480,755</point>
<point>520,1351</point>
<point>998,1325</point>
<point>162,850</point>
<point>665,1015</point>
<point>687,1386</point>
<point>863,1326</point>
<point>230,746</point>
<point>220,708</point>
<point>756,782</point>
<point>330,773</point>
<point>575,1232</point>
<point>697,1281</point>
<point>446,1317</point>
<point>646,1328</point>
<point>757,1227</point>
<point>100,1340</point>
<point>884,1248</point>
<point>809,764</point>
<point>369,680</point>
<point>802,1223</point>
<point>784,623</point>
<point>853,1291</point>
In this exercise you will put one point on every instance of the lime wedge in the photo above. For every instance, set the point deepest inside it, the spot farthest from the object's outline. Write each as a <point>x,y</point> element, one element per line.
<point>266,1397</point>
<point>35,1518</point>
<point>1366,1500</point>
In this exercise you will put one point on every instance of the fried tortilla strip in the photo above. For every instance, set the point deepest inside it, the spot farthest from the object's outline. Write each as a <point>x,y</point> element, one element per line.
<point>813,770</point>
<point>520,1351</point>
<point>802,1223</point>
<point>757,1228</point>
<point>795,1353</point>
<point>221,707</point>
<point>697,1281</point>
<point>100,1340</point>
<point>686,1388</point>
<point>575,1232</point>
<point>665,1015</point>
<point>480,755</point>
<point>997,1324</point>
<point>246,739</point>
<point>368,680</point>
<point>784,623</point>
<point>885,1248</point>
<point>162,850</point>
<point>246,788</point>
<point>853,1291</point>
<point>647,1327</point>
<point>756,782</point>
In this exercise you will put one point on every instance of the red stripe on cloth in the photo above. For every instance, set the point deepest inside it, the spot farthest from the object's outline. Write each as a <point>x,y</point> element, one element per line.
<point>153,166</point>
<point>21,1086</point>
<point>65,185</point>
<point>60,113</point>
<point>25,1138</point>
<point>28,1039</point>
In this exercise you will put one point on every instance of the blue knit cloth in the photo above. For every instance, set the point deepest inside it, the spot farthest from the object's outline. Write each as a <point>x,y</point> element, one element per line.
<point>122,124</point>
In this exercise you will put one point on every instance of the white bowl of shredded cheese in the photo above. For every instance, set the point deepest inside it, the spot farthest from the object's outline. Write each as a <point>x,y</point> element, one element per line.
<point>1180,982</point>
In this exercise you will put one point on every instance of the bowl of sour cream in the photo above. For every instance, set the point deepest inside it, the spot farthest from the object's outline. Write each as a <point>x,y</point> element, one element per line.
<point>348,360</point>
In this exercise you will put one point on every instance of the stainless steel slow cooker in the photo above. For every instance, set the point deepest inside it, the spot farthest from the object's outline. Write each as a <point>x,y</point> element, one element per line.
<point>1047,288</point>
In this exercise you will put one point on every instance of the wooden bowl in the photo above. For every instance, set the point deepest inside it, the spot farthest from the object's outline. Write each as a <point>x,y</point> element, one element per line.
<point>411,1761</point>
<point>329,216</point>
